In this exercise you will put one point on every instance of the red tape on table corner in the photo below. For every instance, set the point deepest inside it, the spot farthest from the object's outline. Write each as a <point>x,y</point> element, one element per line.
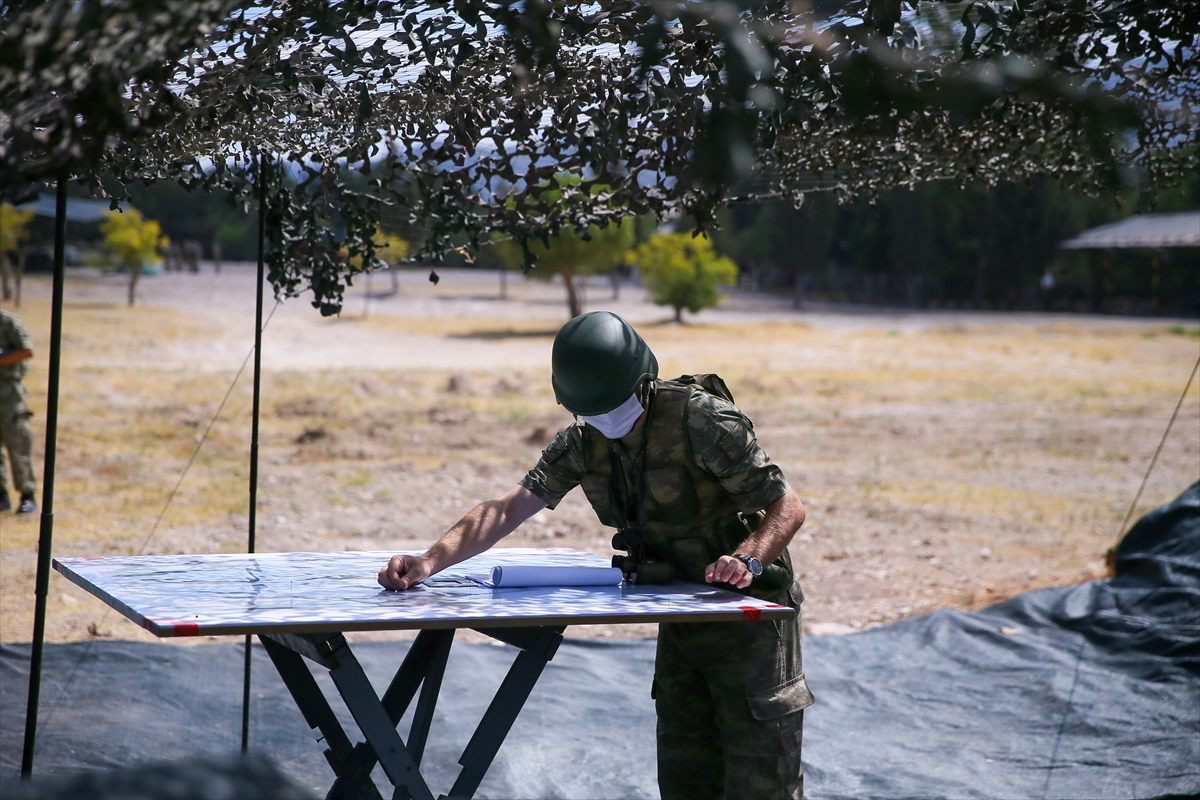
<point>750,613</point>
<point>179,627</point>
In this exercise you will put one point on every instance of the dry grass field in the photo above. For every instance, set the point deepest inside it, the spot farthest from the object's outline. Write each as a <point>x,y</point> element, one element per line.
<point>946,460</point>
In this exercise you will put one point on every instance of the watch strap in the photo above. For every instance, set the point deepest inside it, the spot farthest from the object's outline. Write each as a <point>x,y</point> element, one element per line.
<point>747,559</point>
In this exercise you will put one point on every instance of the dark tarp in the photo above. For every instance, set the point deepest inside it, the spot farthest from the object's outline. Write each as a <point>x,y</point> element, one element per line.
<point>254,777</point>
<point>1089,691</point>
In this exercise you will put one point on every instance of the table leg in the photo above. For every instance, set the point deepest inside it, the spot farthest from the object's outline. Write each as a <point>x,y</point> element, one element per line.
<point>353,782</point>
<point>423,666</point>
<point>539,646</point>
<point>375,724</point>
<point>418,734</point>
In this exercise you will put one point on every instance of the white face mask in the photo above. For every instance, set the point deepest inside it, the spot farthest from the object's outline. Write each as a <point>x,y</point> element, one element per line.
<point>619,421</point>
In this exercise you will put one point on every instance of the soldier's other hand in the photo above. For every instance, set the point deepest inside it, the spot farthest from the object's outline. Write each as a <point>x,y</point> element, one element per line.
<point>728,569</point>
<point>404,572</point>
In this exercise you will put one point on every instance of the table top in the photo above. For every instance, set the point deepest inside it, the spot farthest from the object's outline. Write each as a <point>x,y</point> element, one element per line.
<point>193,595</point>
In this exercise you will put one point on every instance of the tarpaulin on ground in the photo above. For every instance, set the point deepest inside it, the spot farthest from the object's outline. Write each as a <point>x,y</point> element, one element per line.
<point>1089,691</point>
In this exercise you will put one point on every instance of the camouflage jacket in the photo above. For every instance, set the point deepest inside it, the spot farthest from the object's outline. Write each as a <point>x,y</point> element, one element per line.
<point>705,477</point>
<point>13,336</point>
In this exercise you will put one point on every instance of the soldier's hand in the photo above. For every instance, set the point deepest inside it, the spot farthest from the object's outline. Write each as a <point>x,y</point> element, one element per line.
<point>728,569</point>
<point>404,572</point>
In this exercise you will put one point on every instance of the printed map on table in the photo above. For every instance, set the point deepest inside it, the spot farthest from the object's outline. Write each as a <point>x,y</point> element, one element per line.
<point>240,593</point>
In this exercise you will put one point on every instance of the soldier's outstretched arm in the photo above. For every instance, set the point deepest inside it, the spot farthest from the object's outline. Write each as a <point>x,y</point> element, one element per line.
<point>783,518</point>
<point>10,357</point>
<point>479,529</point>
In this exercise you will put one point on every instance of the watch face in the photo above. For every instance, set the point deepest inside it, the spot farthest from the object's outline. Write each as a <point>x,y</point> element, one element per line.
<point>752,564</point>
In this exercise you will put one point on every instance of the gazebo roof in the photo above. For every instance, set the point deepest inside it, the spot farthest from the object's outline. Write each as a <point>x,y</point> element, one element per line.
<point>1172,229</point>
<point>78,209</point>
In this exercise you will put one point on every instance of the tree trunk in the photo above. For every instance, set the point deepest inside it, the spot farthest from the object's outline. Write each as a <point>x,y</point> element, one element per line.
<point>679,314</point>
<point>135,272</point>
<point>503,283</point>
<point>616,282</point>
<point>395,270</point>
<point>574,304</point>
<point>5,289</point>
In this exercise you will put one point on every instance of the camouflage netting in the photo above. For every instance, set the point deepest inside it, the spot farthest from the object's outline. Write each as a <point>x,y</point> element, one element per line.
<point>472,119</point>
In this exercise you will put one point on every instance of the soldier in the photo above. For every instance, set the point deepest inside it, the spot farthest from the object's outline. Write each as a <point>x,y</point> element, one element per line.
<point>674,466</point>
<point>16,435</point>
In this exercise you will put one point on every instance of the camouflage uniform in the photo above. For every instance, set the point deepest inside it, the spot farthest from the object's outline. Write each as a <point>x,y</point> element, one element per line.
<point>16,435</point>
<point>729,695</point>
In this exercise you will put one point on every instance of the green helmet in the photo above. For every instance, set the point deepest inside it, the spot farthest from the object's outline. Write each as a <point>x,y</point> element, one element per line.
<point>598,361</point>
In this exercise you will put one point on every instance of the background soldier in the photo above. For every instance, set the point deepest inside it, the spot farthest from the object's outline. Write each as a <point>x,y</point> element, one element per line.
<point>674,466</point>
<point>16,435</point>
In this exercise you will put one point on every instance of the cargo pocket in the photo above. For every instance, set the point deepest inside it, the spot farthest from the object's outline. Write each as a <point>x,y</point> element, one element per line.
<point>780,701</point>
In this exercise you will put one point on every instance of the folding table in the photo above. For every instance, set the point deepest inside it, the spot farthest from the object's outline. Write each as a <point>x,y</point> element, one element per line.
<point>300,604</point>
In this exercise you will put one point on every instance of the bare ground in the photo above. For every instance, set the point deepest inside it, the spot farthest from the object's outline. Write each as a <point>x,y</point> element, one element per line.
<point>947,459</point>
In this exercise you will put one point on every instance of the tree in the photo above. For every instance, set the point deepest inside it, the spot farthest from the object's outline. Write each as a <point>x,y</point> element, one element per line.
<point>572,255</point>
<point>14,232</point>
<point>683,271</point>
<point>392,250</point>
<point>133,241</point>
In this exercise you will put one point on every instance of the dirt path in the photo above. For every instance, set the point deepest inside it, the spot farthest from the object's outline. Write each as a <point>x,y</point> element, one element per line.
<point>947,459</point>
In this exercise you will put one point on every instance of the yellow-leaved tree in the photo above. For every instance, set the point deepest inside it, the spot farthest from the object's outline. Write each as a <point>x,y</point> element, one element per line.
<point>570,255</point>
<point>133,241</point>
<point>393,250</point>
<point>682,271</point>
<point>14,232</point>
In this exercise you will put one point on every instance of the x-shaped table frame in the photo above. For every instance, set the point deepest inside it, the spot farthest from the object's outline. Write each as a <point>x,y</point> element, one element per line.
<point>378,718</point>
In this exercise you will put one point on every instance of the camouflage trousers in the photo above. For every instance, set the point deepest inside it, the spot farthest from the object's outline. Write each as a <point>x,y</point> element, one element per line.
<point>16,438</point>
<point>730,698</point>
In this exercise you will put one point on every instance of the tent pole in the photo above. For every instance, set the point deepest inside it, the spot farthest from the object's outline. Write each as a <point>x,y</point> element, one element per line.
<point>46,533</point>
<point>258,325</point>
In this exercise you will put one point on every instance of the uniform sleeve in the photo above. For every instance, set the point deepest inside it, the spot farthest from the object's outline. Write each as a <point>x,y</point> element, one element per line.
<point>723,443</point>
<point>16,335</point>
<point>559,470</point>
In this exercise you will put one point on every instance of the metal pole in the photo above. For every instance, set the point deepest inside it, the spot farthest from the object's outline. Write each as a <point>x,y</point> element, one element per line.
<point>258,325</point>
<point>46,533</point>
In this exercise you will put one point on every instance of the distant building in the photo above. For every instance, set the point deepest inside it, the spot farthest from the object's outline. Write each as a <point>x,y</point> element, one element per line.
<point>1170,229</point>
<point>78,210</point>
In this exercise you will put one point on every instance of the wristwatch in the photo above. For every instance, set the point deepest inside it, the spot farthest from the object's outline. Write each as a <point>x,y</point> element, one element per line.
<point>752,564</point>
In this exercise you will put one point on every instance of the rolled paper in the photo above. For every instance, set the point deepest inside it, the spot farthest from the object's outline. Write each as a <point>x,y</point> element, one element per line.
<point>555,576</point>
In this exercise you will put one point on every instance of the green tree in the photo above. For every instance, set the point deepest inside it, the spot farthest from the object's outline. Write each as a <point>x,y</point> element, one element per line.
<point>683,271</point>
<point>571,255</point>
<point>133,241</point>
<point>14,232</point>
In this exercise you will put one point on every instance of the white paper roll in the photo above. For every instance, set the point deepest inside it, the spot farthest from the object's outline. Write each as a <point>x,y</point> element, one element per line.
<point>555,576</point>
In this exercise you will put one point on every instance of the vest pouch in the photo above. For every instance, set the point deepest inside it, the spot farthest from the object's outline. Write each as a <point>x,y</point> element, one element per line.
<point>690,556</point>
<point>774,579</point>
<point>672,494</point>
<point>654,572</point>
<point>599,494</point>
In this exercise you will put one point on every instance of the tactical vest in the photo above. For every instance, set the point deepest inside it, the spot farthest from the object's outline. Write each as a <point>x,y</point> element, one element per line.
<point>689,520</point>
